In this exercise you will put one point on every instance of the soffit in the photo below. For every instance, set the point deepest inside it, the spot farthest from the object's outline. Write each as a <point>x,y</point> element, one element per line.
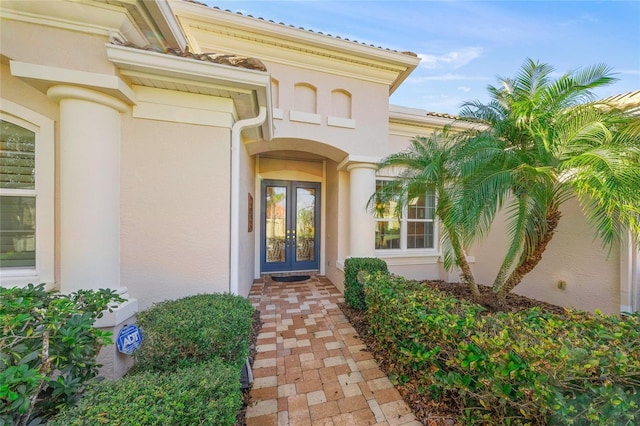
<point>209,29</point>
<point>249,89</point>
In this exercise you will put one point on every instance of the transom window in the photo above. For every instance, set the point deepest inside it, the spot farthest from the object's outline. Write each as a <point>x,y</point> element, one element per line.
<point>414,229</point>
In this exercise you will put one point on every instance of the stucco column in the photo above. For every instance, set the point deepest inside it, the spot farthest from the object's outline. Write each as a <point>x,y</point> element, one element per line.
<point>89,172</point>
<point>361,222</point>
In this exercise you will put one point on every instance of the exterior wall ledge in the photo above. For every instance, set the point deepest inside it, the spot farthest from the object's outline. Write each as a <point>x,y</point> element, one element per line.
<point>43,77</point>
<point>470,259</point>
<point>347,123</point>
<point>120,314</point>
<point>305,117</point>
<point>399,260</point>
<point>626,309</point>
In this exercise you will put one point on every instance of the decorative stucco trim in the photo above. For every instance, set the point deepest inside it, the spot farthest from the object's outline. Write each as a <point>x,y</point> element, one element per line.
<point>347,123</point>
<point>358,161</point>
<point>208,29</point>
<point>404,259</point>
<point>43,77</point>
<point>44,271</point>
<point>59,92</point>
<point>50,21</point>
<point>181,107</point>
<point>305,117</point>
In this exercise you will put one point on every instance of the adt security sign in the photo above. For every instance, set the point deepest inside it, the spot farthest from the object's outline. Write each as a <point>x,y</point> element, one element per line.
<point>129,339</point>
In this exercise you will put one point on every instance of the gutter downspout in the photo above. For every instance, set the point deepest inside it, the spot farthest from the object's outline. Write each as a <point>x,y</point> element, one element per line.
<point>234,232</point>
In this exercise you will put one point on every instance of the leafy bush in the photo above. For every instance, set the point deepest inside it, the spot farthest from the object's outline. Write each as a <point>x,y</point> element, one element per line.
<point>353,287</point>
<point>204,394</point>
<point>49,348</point>
<point>194,329</point>
<point>528,367</point>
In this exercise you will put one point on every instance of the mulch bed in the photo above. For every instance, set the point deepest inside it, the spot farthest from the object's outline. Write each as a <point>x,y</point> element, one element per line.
<point>430,412</point>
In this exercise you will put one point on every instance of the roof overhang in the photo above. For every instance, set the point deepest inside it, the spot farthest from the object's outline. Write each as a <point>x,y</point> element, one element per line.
<point>400,116</point>
<point>249,89</point>
<point>213,30</point>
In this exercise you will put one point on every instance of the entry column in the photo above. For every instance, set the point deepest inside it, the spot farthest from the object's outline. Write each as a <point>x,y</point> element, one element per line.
<point>89,173</point>
<point>361,222</point>
<point>89,188</point>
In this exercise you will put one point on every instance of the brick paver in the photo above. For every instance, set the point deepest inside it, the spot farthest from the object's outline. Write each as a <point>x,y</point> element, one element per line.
<point>311,368</point>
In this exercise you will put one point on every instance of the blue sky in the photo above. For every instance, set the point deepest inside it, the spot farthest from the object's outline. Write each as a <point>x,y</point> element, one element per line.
<point>467,45</point>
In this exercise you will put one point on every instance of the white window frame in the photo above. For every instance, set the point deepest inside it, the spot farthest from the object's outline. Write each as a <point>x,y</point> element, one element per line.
<point>403,251</point>
<point>43,127</point>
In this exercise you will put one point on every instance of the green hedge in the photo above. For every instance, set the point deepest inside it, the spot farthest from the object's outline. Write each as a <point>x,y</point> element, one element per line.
<point>194,329</point>
<point>204,394</point>
<point>529,367</point>
<point>353,288</point>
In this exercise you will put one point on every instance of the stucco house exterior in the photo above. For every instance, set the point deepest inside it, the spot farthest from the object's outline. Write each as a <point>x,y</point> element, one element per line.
<point>166,148</point>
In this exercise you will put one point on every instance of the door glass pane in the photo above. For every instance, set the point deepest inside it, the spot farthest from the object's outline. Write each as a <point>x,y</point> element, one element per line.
<point>276,226</point>
<point>18,232</point>
<point>305,224</point>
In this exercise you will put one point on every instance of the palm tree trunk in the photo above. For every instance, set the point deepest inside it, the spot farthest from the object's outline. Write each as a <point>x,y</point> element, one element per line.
<point>461,260</point>
<point>527,263</point>
<point>516,244</point>
<point>444,212</point>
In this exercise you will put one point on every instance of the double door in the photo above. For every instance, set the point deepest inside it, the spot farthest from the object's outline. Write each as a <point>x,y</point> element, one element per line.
<point>290,219</point>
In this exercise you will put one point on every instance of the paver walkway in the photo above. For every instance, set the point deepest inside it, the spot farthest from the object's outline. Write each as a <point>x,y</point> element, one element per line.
<point>311,367</point>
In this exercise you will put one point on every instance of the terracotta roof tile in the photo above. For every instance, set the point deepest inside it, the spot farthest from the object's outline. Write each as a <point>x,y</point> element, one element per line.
<point>415,55</point>
<point>443,115</point>
<point>216,58</point>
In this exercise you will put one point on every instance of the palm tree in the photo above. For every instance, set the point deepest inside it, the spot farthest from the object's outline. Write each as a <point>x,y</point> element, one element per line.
<point>430,164</point>
<point>548,141</point>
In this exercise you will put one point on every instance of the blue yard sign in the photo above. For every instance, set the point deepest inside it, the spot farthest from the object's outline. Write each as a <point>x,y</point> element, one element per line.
<point>129,339</point>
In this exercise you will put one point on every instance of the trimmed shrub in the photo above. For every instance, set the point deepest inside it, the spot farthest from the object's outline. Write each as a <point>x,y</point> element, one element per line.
<point>49,349</point>
<point>183,332</point>
<point>528,367</point>
<point>204,394</point>
<point>353,287</point>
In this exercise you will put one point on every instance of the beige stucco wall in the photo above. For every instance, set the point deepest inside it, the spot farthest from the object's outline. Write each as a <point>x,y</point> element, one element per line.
<point>369,113</point>
<point>246,237</point>
<point>55,47</point>
<point>573,255</point>
<point>174,209</point>
<point>334,226</point>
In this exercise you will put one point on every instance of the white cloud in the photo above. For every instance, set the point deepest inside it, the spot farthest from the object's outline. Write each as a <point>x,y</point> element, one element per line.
<point>465,89</point>
<point>452,60</point>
